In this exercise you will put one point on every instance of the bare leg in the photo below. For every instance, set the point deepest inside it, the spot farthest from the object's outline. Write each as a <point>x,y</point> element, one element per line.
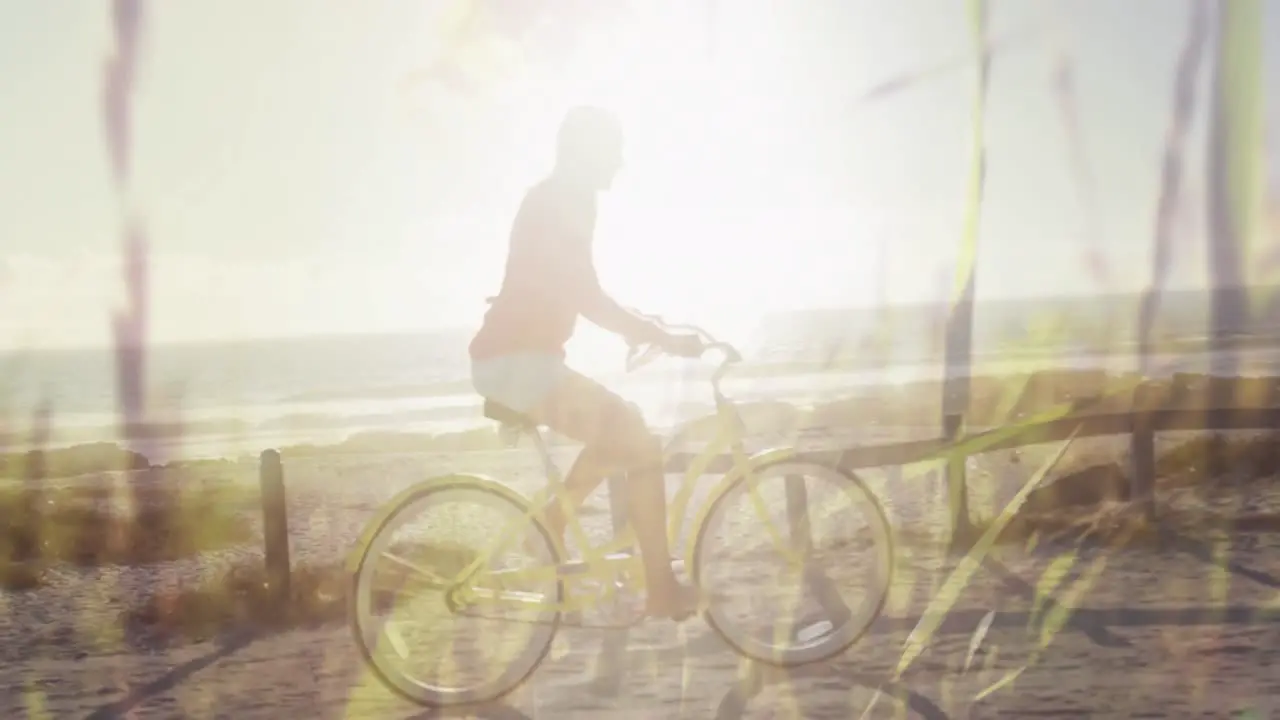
<point>647,503</point>
<point>616,437</point>
<point>646,500</point>
<point>584,477</point>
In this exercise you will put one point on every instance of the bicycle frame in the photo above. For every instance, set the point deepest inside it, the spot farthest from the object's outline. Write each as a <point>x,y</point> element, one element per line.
<point>599,563</point>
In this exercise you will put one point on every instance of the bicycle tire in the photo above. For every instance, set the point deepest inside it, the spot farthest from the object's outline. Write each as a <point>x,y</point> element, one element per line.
<point>488,492</point>
<point>851,631</point>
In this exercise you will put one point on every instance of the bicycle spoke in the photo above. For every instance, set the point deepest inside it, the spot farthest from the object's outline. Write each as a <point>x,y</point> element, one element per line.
<point>518,597</point>
<point>456,535</point>
<point>801,614</point>
<point>415,568</point>
<point>542,573</point>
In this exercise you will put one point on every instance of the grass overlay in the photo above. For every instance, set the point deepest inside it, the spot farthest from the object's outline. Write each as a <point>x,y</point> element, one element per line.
<point>238,599</point>
<point>942,600</point>
<point>105,524</point>
<point>97,525</point>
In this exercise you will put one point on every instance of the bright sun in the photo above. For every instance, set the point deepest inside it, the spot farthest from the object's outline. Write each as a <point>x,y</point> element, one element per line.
<point>673,237</point>
<point>700,225</point>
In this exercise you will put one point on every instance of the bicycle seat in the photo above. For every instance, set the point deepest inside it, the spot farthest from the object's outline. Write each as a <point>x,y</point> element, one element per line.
<point>506,416</point>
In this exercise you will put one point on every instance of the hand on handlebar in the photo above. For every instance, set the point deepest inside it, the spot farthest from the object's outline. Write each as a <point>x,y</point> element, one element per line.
<point>680,345</point>
<point>677,344</point>
<point>685,341</point>
<point>686,345</point>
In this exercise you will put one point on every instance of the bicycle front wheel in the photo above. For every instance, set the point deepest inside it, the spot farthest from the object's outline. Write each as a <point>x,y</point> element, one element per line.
<point>403,610</point>
<point>799,557</point>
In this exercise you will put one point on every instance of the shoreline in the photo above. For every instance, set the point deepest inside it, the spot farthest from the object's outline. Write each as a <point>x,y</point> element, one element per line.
<point>666,395</point>
<point>901,411</point>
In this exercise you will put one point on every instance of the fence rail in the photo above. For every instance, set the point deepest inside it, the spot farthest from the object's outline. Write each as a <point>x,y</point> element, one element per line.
<point>1141,425</point>
<point>996,439</point>
<point>1097,425</point>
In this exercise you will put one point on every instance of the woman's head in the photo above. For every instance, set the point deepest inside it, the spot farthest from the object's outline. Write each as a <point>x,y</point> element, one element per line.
<point>589,146</point>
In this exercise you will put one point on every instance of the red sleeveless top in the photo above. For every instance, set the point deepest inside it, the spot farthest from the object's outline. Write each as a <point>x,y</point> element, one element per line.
<point>550,279</point>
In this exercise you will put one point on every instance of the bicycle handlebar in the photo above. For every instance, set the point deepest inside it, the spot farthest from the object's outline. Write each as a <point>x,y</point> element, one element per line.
<point>641,355</point>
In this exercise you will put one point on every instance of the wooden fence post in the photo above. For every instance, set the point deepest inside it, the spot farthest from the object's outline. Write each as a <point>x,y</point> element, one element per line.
<point>798,513</point>
<point>799,521</point>
<point>1142,453</point>
<point>957,484</point>
<point>275,527</point>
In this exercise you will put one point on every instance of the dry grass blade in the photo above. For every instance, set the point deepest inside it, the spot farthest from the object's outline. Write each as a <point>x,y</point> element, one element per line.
<point>1066,91</point>
<point>87,527</point>
<point>1242,101</point>
<point>1184,104</point>
<point>1235,144</point>
<point>1058,616</point>
<point>241,598</point>
<point>967,258</point>
<point>958,348</point>
<point>1049,581</point>
<point>1064,84</point>
<point>1055,620</point>
<point>989,48</point>
<point>979,634</point>
<point>946,596</point>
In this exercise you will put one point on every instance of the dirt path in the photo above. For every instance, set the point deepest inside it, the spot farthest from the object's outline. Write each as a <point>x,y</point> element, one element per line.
<point>1167,634</point>
<point>1187,630</point>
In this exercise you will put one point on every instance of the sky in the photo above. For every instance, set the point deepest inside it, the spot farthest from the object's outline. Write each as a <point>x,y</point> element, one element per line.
<point>300,169</point>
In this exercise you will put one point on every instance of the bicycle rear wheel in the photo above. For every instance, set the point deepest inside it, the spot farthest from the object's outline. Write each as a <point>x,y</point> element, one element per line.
<point>811,522</point>
<point>409,632</point>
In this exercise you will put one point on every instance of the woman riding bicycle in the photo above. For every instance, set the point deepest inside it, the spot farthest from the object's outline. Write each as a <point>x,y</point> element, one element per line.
<point>517,357</point>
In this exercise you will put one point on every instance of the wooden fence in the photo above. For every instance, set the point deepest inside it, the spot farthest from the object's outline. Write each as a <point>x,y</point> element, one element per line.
<point>1140,424</point>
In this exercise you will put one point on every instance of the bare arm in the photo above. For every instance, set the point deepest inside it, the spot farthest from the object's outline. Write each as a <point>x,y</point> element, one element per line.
<point>552,247</point>
<point>600,308</point>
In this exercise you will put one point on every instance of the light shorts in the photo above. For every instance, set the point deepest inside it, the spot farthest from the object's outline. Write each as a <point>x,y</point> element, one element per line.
<point>520,381</point>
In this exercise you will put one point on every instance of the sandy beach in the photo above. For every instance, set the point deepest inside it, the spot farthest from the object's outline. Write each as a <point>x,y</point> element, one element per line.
<point>234,231</point>
<point>1165,631</point>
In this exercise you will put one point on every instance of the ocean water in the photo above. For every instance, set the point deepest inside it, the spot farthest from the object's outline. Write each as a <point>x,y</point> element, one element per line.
<point>261,390</point>
<point>232,398</point>
<point>276,392</point>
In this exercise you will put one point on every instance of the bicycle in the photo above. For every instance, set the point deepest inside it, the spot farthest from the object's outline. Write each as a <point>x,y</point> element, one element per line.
<point>613,575</point>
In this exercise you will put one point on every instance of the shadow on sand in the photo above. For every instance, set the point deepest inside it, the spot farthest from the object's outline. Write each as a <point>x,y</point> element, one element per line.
<point>1097,625</point>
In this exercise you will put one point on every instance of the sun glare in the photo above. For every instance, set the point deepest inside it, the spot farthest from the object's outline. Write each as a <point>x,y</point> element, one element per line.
<point>681,233</point>
<point>719,205</point>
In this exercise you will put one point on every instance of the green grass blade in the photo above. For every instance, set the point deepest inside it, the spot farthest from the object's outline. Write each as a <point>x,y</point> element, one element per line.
<point>946,596</point>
